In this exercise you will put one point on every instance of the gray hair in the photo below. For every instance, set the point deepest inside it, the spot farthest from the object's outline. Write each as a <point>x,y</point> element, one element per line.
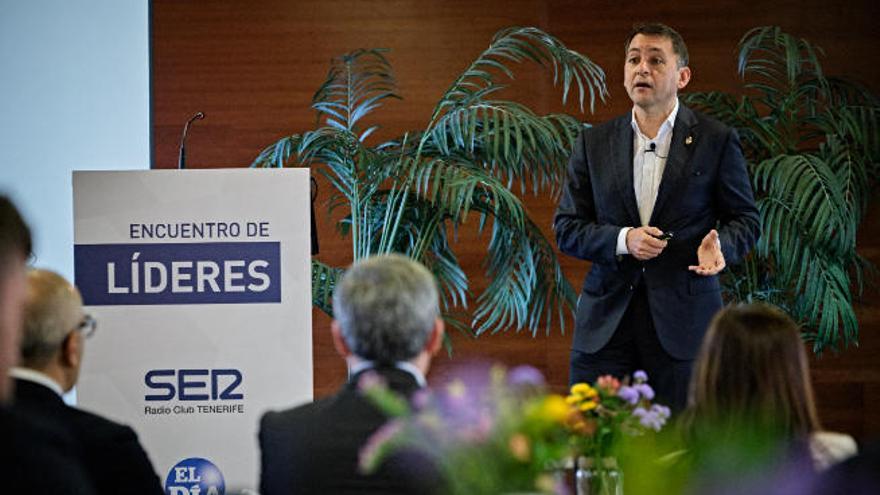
<point>52,311</point>
<point>386,307</point>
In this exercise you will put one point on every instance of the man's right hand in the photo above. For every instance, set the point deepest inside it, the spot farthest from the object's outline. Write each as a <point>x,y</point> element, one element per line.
<point>642,242</point>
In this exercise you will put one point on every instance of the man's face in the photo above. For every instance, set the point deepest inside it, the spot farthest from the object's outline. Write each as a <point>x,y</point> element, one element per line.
<point>651,74</point>
<point>13,292</point>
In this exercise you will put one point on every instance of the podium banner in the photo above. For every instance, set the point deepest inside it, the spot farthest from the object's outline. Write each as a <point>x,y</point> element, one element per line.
<point>201,284</point>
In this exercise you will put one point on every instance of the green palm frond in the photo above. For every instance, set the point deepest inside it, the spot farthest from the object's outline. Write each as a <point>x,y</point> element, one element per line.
<point>809,189</point>
<point>303,149</point>
<point>510,139</point>
<point>814,148</point>
<point>452,187</point>
<point>526,286</point>
<point>757,133</point>
<point>412,195</point>
<point>776,56</point>
<point>828,302</point>
<point>356,85</point>
<point>324,280</point>
<point>519,44</point>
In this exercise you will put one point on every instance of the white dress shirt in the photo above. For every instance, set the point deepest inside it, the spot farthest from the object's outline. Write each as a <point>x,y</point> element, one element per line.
<point>401,365</point>
<point>649,161</point>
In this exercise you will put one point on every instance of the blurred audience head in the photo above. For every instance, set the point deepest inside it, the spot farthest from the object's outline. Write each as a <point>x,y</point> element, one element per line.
<point>55,328</point>
<point>752,368</point>
<point>387,310</point>
<point>15,248</point>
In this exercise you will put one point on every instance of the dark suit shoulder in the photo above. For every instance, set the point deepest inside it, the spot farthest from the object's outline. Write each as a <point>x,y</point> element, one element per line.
<point>100,424</point>
<point>114,455</point>
<point>302,412</point>
<point>39,457</point>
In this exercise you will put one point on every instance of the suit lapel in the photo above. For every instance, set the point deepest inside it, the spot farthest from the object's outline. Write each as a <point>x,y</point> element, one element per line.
<point>621,153</point>
<point>675,174</point>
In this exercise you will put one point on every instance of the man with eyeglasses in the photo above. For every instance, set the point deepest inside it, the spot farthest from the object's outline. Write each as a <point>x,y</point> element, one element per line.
<point>52,344</point>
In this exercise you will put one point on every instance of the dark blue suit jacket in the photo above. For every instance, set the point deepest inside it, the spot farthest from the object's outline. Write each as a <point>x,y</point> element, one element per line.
<point>314,448</point>
<point>111,453</point>
<point>705,185</point>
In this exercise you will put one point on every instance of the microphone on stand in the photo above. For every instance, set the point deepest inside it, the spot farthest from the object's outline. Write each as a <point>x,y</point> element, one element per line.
<point>181,156</point>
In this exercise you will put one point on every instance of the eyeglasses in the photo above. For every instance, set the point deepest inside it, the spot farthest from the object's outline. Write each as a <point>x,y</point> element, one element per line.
<point>87,326</point>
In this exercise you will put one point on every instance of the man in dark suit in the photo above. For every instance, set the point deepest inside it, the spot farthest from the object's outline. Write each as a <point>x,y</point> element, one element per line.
<point>36,457</point>
<point>387,327</point>
<point>55,329</point>
<point>659,201</point>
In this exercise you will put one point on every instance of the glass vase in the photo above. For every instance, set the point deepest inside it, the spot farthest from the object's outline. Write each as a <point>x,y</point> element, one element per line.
<point>593,478</point>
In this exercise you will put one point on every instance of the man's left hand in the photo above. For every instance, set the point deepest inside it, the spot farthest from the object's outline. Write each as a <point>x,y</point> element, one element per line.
<point>709,256</point>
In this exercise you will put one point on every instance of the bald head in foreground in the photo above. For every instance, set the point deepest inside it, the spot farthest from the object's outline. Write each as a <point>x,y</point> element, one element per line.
<point>52,347</point>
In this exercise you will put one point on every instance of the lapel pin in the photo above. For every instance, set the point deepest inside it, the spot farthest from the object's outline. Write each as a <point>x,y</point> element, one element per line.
<point>688,140</point>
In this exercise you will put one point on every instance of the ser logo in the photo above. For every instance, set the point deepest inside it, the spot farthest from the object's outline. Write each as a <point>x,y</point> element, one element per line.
<point>193,384</point>
<point>195,476</point>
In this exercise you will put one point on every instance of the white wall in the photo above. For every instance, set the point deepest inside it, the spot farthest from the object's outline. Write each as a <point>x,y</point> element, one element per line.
<point>74,95</point>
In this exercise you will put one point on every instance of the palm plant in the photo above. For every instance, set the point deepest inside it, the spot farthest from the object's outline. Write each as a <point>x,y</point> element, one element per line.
<point>813,148</point>
<point>411,194</point>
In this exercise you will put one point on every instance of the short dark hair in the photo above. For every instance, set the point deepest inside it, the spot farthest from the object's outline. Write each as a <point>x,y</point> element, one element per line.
<point>15,237</point>
<point>659,29</point>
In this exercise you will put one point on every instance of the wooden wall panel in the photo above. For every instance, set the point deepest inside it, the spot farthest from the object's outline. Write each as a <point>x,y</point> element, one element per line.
<point>252,67</point>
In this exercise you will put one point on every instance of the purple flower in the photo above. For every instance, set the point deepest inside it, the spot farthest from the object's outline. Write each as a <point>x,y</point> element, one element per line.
<point>653,418</point>
<point>649,418</point>
<point>661,411</point>
<point>525,375</point>
<point>377,442</point>
<point>644,390</point>
<point>628,394</point>
<point>421,398</point>
<point>640,376</point>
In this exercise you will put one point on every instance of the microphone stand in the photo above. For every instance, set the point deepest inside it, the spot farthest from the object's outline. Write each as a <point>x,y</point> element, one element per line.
<point>181,156</point>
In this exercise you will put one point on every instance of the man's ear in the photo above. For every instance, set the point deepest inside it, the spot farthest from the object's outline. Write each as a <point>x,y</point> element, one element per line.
<point>684,77</point>
<point>71,349</point>
<point>435,340</point>
<point>339,341</point>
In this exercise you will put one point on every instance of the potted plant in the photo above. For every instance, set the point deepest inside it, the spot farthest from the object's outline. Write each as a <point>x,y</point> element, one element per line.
<point>813,147</point>
<point>412,193</point>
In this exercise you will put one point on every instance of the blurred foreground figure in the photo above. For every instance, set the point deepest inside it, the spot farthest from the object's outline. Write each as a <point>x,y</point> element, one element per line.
<point>36,457</point>
<point>55,330</point>
<point>387,328</point>
<point>752,421</point>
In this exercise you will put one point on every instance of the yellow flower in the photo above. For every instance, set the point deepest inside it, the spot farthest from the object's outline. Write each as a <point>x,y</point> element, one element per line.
<point>581,389</point>
<point>587,405</point>
<point>554,408</point>
<point>519,447</point>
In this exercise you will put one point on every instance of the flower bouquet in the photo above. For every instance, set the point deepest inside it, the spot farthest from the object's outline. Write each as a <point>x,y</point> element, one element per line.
<point>601,416</point>
<point>501,432</point>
